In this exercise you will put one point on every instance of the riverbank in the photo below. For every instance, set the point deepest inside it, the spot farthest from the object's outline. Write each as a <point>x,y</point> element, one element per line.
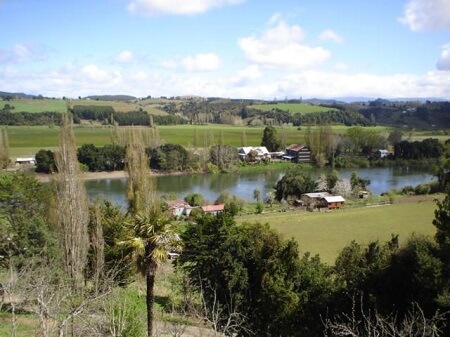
<point>45,178</point>
<point>103,175</point>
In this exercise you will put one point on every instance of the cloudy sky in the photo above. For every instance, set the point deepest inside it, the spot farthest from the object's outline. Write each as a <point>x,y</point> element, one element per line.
<point>229,48</point>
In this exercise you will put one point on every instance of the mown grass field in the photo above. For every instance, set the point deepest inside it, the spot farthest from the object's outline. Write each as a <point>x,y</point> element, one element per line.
<point>327,233</point>
<point>292,107</point>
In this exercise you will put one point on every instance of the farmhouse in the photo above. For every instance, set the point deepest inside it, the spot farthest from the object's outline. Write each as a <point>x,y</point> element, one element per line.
<point>214,209</point>
<point>179,207</point>
<point>253,153</point>
<point>297,153</point>
<point>335,201</point>
<point>322,200</point>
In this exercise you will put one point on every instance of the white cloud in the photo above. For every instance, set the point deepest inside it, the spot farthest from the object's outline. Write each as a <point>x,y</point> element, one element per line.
<point>341,66</point>
<point>426,14</point>
<point>169,64</point>
<point>443,62</point>
<point>247,75</point>
<point>331,35</point>
<point>280,47</point>
<point>176,7</point>
<point>73,80</point>
<point>20,53</point>
<point>201,62</point>
<point>94,73</point>
<point>124,57</point>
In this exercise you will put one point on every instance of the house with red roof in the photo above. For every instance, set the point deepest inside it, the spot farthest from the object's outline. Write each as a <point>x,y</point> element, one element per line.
<point>214,209</point>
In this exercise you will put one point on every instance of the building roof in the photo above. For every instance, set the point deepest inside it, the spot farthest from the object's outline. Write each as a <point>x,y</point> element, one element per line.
<point>213,208</point>
<point>334,198</point>
<point>20,159</point>
<point>177,203</point>
<point>261,150</point>
<point>317,195</point>
<point>295,147</point>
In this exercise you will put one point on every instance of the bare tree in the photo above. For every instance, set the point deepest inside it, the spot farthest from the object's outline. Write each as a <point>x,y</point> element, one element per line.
<point>141,188</point>
<point>223,320</point>
<point>4,149</point>
<point>97,246</point>
<point>70,206</point>
<point>362,323</point>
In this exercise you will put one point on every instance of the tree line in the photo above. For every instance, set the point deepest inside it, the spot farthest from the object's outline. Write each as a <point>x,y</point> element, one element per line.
<point>166,157</point>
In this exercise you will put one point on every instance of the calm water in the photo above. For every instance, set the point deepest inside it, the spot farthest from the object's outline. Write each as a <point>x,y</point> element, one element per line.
<point>243,185</point>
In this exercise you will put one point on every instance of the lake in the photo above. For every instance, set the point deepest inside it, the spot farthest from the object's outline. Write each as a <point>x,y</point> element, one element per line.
<point>243,184</point>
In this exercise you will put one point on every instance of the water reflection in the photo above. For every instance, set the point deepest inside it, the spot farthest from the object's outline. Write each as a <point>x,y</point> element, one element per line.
<point>243,185</point>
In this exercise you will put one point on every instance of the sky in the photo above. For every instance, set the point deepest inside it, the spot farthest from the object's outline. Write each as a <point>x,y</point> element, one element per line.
<point>252,49</point>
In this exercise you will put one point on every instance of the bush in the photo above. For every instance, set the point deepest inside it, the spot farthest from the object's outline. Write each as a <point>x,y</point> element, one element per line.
<point>422,189</point>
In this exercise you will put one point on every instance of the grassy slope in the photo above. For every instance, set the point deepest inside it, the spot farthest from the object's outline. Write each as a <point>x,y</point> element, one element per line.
<point>37,105</point>
<point>327,233</point>
<point>59,105</point>
<point>292,107</point>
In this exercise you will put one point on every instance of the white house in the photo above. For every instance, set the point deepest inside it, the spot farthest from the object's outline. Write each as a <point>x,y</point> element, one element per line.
<point>26,160</point>
<point>261,152</point>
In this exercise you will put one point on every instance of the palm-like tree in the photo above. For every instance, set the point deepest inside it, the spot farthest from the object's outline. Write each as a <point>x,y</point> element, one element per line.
<point>153,237</point>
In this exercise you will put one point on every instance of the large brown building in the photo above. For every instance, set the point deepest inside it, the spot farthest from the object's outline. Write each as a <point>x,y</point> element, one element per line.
<point>297,153</point>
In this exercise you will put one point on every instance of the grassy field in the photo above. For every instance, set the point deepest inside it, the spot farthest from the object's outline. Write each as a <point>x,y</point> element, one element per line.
<point>327,233</point>
<point>27,140</point>
<point>37,105</point>
<point>59,105</point>
<point>292,107</point>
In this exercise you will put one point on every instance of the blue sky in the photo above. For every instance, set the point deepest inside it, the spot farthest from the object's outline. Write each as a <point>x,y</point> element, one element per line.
<point>228,48</point>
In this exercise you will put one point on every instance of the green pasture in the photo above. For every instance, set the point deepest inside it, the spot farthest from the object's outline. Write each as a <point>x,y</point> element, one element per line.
<point>150,106</point>
<point>326,233</point>
<point>27,140</point>
<point>59,105</point>
<point>292,107</point>
<point>37,105</point>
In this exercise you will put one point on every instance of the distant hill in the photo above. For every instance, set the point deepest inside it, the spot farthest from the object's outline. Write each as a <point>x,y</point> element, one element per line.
<point>111,98</point>
<point>16,95</point>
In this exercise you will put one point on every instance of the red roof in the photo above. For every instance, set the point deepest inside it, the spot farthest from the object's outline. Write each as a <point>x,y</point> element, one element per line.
<point>213,208</point>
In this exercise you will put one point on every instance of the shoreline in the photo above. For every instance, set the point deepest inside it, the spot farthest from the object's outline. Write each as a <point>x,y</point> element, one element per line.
<point>45,178</point>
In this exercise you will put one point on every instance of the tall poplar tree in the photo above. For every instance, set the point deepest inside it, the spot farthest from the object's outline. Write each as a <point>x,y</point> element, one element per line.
<point>4,149</point>
<point>70,206</point>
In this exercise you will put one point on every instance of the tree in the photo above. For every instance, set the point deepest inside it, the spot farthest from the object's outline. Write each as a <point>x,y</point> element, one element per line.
<point>223,156</point>
<point>24,229</point>
<point>141,185</point>
<point>357,183</point>
<point>4,149</point>
<point>442,237</point>
<point>395,137</point>
<point>294,184</point>
<point>194,199</point>
<point>153,237</point>
<point>70,206</point>
<point>45,161</point>
<point>270,139</point>
<point>247,270</point>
